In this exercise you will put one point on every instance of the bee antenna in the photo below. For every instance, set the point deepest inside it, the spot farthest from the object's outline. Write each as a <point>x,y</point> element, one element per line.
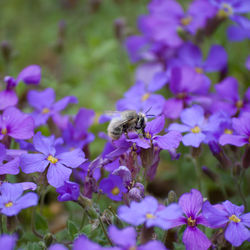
<point>150,115</point>
<point>148,110</point>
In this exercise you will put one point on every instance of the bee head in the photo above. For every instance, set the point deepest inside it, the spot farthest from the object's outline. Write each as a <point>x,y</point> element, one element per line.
<point>142,119</point>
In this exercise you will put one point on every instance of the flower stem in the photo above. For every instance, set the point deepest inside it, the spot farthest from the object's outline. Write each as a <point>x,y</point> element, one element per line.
<point>104,231</point>
<point>33,228</point>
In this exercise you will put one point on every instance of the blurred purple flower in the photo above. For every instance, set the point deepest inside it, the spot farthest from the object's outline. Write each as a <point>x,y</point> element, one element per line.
<point>193,123</point>
<point>241,129</point>
<point>233,9</point>
<point>248,62</point>
<point>125,238</point>
<point>8,241</point>
<point>82,242</point>
<point>58,164</point>
<point>148,211</point>
<point>16,124</point>
<point>237,33</point>
<point>69,191</point>
<point>113,187</point>
<point>57,246</point>
<point>12,201</point>
<point>29,75</point>
<point>45,106</point>
<point>227,97</point>
<point>76,134</point>
<point>191,55</point>
<point>231,217</point>
<point>193,237</point>
<point>8,163</point>
<point>141,99</point>
<point>185,93</point>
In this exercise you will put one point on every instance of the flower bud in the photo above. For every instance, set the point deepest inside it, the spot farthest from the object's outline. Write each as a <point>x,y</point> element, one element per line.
<point>6,50</point>
<point>172,197</point>
<point>48,239</point>
<point>119,28</point>
<point>209,173</point>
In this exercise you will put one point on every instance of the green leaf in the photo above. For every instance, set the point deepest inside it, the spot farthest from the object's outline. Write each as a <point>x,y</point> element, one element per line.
<point>72,228</point>
<point>41,223</point>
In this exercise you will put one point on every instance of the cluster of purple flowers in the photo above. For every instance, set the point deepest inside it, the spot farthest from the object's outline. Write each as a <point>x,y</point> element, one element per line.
<point>170,58</point>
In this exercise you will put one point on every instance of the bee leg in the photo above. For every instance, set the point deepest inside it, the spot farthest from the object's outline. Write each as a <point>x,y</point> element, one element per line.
<point>143,132</point>
<point>125,131</point>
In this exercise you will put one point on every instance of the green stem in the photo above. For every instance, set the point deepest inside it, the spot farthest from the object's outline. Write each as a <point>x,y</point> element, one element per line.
<point>238,184</point>
<point>104,231</point>
<point>1,224</point>
<point>33,228</point>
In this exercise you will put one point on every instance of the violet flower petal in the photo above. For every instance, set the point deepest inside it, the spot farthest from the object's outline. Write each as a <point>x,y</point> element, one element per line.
<point>30,75</point>
<point>7,98</point>
<point>169,141</point>
<point>194,238</point>
<point>28,200</point>
<point>193,139</point>
<point>192,116</point>
<point>63,103</point>
<point>179,127</point>
<point>236,140</point>
<point>155,126</point>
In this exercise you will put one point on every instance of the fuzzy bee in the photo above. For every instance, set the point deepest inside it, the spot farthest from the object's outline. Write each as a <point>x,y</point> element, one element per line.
<point>126,121</point>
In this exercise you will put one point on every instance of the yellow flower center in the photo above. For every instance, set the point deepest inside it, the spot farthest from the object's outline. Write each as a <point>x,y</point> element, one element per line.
<point>226,11</point>
<point>145,97</point>
<point>186,20</point>
<point>181,95</point>
<point>196,130</point>
<point>228,131</point>
<point>4,131</point>
<point>52,159</point>
<point>234,218</point>
<point>45,111</point>
<point>150,216</point>
<point>9,204</point>
<point>199,70</point>
<point>133,248</point>
<point>115,191</point>
<point>239,104</point>
<point>191,222</point>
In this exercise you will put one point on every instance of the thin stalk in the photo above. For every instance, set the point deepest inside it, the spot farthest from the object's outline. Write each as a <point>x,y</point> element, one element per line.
<point>1,224</point>
<point>33,228</point>
<point>104,231</point>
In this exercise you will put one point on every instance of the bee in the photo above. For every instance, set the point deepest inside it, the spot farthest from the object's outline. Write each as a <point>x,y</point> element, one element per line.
<point>128,120</point>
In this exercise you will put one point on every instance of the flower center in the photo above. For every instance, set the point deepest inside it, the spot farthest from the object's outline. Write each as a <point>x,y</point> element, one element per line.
<point>196,130</point>
<point>182,95</point>
<point>133,248</point>
<point>199,70</point>
<point>226,11</point>
<point>234,218</point>
<point>9,204</point>
<point>228,131</point>
<point>4,131</point>
<point>115,191</point>
<point>45,111</point>
<point>191,222</point>
<point>186,20</point>
<point>150,216</point>
<point>145,97</point>
<point>239,104</point>
<point>52,159</point>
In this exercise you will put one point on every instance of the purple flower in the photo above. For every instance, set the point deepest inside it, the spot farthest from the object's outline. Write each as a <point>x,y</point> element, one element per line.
<point>69,191</point>
<point>238,33</point>
<point>16,124</point>
<point>227,97</point>
<point>233,9</point>
<point>12,201</point>
<point>230,216</point>
<point>76,134</point>
<point>57,246</point>
<point>8,163</point>
<point>8,241</point>
<point>191,55</point>
<point>193,237</point>
<point>82,242</point>
<point>140,99</point>
<point>148,211</point>
<point>126,239</point>
<point>248,62</point>
<point>113,187</point>
<point>45,106</point>
<point>241,127</point>
<point>29,75</point>
<point>185,93</point>
<point>59,165</point>
<point>193,123</point>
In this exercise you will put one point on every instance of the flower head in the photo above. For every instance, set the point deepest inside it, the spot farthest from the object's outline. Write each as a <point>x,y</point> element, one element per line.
<point>69,191</point>
<point>231,217</point>
<point>59,165</point>
<point>148,211</point>
<point>12,201</point>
